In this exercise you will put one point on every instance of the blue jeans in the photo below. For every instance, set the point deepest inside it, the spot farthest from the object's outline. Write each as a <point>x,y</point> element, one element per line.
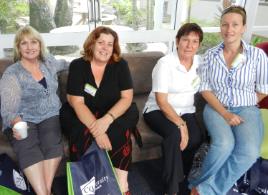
<point>233,149</point>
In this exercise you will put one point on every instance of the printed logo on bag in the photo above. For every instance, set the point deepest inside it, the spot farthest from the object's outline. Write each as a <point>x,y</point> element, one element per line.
<point>196,82</point>
<point>89,187</point>
<point>100,182</point>
<point>19,180</point>
<point>262,190</point>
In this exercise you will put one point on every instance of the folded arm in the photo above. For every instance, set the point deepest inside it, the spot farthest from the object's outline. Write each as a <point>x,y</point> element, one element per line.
<point>101,125</point>
<point>98,127</point>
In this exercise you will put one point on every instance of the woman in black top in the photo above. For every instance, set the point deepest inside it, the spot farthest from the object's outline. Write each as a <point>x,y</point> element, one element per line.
<point>100,93</point>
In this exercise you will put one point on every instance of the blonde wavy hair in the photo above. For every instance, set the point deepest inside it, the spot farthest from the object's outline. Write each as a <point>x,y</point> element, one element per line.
<point>30,32</point>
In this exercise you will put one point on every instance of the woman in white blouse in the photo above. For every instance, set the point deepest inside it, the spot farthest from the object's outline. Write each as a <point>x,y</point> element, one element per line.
<point>234,78</point>
<point>170,111</point>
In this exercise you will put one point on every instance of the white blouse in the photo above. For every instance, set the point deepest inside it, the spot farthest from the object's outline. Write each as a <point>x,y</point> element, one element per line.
<point>171,77</point>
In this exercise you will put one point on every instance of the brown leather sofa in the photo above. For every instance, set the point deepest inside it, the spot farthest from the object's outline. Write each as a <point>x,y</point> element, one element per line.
<point>141,65</point>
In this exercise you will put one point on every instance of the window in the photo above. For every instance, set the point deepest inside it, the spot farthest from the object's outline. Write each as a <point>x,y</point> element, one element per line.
<point>142,25</point>
<point>260,29</point>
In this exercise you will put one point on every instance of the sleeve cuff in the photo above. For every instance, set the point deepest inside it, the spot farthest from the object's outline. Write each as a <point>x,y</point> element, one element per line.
<point>262,88</point>
<point>204,87</point>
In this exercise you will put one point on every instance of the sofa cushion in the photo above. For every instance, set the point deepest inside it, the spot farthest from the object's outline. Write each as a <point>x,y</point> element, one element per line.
<point>63,75</point>
<point>149,137</point>
<point>141,65</point>
<point>5,146</point>
<point>151,141</point>
<point>263,46</point>
<point>4,63</point>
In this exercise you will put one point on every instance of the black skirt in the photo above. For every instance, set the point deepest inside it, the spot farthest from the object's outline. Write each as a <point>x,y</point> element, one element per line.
<point>119,134</point>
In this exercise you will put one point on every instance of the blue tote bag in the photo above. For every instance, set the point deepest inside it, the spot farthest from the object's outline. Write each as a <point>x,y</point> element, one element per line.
<point>254,181</point>
<point>12,180</point>
<point>92,174</point>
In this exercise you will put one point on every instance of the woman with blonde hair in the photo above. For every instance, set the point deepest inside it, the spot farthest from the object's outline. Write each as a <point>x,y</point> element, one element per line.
<point>28,91</point>
<point>233,80</point>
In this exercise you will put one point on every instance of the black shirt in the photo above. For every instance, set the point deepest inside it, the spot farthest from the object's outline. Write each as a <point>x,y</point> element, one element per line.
<point>116,78</point>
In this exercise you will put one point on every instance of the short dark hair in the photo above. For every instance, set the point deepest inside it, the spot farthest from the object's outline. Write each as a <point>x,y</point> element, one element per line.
<point>236,9</point>
<point>187,28</point>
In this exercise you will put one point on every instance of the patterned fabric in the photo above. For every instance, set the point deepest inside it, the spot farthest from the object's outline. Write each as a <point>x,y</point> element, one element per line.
<point>120,155</point>
<point>198,160</point>
<point>23,96</point>
<point>80,138</point>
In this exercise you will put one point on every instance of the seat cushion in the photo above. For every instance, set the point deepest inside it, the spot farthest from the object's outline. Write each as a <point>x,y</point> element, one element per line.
<point>151,141</point>
<point>5,147</point>
<point>264,103</point>
<point>141,65</point>
<point>263,46</point>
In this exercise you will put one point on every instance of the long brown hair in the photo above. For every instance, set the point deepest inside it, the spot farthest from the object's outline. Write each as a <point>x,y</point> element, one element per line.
<point>91,41</point>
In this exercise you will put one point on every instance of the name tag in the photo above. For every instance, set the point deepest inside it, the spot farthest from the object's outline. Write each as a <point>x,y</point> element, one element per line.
<point>196,82</point>
<point>90,89</point>
<point>238,60</point>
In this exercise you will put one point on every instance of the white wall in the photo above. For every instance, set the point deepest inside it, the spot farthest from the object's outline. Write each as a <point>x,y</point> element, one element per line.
<point>205,10</point>
<point>262,15</point>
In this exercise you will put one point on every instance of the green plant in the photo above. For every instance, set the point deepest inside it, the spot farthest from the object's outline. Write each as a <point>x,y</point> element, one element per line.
<point>127,15</point>
<point>210,40</point>
<point>10,10</point>
<point>256,39</point>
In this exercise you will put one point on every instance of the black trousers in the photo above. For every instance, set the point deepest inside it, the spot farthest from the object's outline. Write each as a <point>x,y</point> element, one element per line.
<point>176,163</point>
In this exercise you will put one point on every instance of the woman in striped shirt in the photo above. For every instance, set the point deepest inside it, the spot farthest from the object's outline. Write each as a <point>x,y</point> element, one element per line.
<point>234,78</point>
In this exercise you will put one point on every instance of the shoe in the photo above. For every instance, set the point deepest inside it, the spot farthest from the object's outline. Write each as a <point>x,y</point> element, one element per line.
<point>194,191</point>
